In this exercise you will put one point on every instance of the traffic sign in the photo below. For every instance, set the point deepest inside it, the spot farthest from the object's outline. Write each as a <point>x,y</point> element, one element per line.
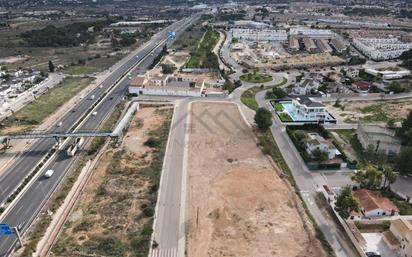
<point>5,230</point>
<point>170,34</point>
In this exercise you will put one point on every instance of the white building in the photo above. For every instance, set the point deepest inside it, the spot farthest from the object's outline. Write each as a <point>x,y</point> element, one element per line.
<point>388,74</point>
<point>260,35</point>
<point>379,49</point>
<point>374,206</point>
<point>314,142</point>
<point>312,33</point>
<point>306,87</point>
<point>169,86</point>
<point>308,110</point>
<point>252,24</point>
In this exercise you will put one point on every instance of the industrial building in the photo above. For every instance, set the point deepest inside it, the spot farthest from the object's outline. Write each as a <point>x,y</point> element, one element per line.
<point>293,44</point>
<point>312,33</point>
<point>309,44</point>
<point>260,35</point>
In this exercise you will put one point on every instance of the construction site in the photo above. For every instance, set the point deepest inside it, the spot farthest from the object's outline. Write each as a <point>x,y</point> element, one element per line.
<point>237,204</point>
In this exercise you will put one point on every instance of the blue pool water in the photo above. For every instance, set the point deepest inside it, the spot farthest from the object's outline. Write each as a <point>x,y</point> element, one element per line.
<point>295,117</point>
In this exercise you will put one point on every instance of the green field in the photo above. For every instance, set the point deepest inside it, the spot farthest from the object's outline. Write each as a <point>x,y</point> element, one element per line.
<point>256,78</point>
<point>46,104</point>
<point>203,56</point>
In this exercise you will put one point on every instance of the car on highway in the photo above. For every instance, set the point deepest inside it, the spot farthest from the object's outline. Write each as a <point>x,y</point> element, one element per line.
<point>94,113</point>
<point>59,124</point>
<point>92,97</point>
<point>48,173</point>
<point>373,254</point>
<point>101,86</point>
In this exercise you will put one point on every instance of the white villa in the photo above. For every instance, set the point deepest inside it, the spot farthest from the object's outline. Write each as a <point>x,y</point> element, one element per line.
<point>314,141</point>
<point>309,110</point>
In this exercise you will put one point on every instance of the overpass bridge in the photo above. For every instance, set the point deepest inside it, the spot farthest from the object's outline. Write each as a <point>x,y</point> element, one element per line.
<point>116,133</point>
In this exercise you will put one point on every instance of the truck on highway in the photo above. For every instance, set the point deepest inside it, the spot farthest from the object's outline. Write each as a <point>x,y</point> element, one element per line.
<point>78,142</point>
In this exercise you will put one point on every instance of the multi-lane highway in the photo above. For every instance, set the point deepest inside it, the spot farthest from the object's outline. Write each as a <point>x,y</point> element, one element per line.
<point>34,199</point>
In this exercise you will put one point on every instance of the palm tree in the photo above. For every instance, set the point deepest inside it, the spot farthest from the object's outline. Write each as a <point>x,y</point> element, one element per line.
<point>390,176</point>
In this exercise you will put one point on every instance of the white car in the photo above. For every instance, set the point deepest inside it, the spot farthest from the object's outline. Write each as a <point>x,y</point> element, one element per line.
<point>94,113</point>
<point>59,124</point>
<point>101,86</point>
<point>48,173</point>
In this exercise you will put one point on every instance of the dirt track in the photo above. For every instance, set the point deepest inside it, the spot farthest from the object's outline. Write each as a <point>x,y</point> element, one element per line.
<point>236,204</point>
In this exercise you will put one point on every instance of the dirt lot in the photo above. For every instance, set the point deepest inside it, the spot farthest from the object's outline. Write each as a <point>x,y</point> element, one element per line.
<point>370,111</point>
<point>236,203</point>
<point>113,216</point>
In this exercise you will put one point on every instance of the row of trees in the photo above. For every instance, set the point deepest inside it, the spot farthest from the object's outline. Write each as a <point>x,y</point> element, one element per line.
<point>404,161</point>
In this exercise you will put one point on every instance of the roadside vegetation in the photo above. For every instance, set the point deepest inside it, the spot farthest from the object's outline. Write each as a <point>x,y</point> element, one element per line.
<point>37,111</point>
<point>248,97</point>
<point>256,77</point>
<point>203,56</point>
<point>120,201</point>
<point>39,229</point>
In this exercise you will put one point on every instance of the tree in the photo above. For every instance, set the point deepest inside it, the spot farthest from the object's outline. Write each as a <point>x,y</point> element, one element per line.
<point>369,177</point>
<point>263,119</point>
<point>404,161</point>
<point>405,132</point>
<point>320,155</point>
<point>346,203</point>
<point>168,68</point>
<point>279,93</point>
<point>406,58</point>
<point>390,177</point>
<point>51,66</point>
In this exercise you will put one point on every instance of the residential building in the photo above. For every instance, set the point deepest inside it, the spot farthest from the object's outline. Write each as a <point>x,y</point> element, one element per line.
<point>308,109</point>
<point>352,73</point>
<point>372,205</point>
<point>306,87</point>
<point>361,87</point>
<point>381,138</point>
<point>314,142</point>
<point>401,231</point>
<point>166,86</point>
<point>379,49</point>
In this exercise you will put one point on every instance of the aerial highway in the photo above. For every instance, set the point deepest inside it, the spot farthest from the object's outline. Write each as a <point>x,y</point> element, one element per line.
<point>110,92</point>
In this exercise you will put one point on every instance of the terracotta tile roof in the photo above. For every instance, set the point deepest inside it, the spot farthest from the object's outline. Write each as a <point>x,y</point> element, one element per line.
<point>138,81</point>
<point>370,200</point>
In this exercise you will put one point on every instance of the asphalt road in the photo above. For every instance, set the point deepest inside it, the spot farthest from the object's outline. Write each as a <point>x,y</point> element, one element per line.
<point>169,221</point>
<point>307,182</point>
<point>33,200</point>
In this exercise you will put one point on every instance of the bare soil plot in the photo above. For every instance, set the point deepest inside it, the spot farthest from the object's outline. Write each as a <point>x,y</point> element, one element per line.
<point>113,216</point>
<point>236,203</point>
<point>370,111</point>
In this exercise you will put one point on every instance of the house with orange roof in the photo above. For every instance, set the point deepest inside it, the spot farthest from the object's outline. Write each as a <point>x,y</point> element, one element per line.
<point>373,205</point>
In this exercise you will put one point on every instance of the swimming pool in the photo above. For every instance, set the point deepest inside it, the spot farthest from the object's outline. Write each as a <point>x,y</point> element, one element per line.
<point>290,109</point>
